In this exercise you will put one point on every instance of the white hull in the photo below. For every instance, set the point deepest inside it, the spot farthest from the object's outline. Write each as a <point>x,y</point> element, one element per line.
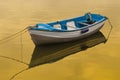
<point>46,37</point>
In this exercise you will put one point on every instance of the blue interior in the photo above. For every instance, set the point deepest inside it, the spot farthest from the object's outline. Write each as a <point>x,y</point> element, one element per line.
<point>83,19</point>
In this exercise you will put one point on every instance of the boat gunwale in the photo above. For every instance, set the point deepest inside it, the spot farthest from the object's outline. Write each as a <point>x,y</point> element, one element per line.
<point>91,25</point>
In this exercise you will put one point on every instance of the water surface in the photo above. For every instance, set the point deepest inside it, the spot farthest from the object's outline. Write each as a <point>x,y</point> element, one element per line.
<point>97,62</point>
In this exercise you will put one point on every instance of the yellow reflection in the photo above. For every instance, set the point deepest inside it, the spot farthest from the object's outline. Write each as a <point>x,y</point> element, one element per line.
<point>97,63</point>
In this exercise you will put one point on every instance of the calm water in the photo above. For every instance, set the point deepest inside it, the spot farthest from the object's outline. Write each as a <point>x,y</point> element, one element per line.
<point>91,59</point>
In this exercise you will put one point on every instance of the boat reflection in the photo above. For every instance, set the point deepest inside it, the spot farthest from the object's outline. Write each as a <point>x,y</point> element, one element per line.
<point>54,52</point>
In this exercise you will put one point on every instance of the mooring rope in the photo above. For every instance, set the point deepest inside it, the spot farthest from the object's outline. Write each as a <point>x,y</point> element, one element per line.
<point>21,49</point>
<point>111,27</point>
<point>6,39</point>
<point>18,73</point>
<point>9,37</point>
<point>14,59</point>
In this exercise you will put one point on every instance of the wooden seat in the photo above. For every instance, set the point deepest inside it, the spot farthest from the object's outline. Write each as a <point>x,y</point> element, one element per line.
<point>82,23</point>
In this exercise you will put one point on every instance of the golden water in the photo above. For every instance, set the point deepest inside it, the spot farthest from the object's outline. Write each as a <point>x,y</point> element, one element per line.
<point>101,62</point>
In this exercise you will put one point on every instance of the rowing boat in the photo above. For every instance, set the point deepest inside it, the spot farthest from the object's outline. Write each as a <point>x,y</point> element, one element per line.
<point>67,30</point>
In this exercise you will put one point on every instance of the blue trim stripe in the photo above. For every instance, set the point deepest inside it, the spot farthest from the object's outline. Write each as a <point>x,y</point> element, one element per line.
<point>49,26</point>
